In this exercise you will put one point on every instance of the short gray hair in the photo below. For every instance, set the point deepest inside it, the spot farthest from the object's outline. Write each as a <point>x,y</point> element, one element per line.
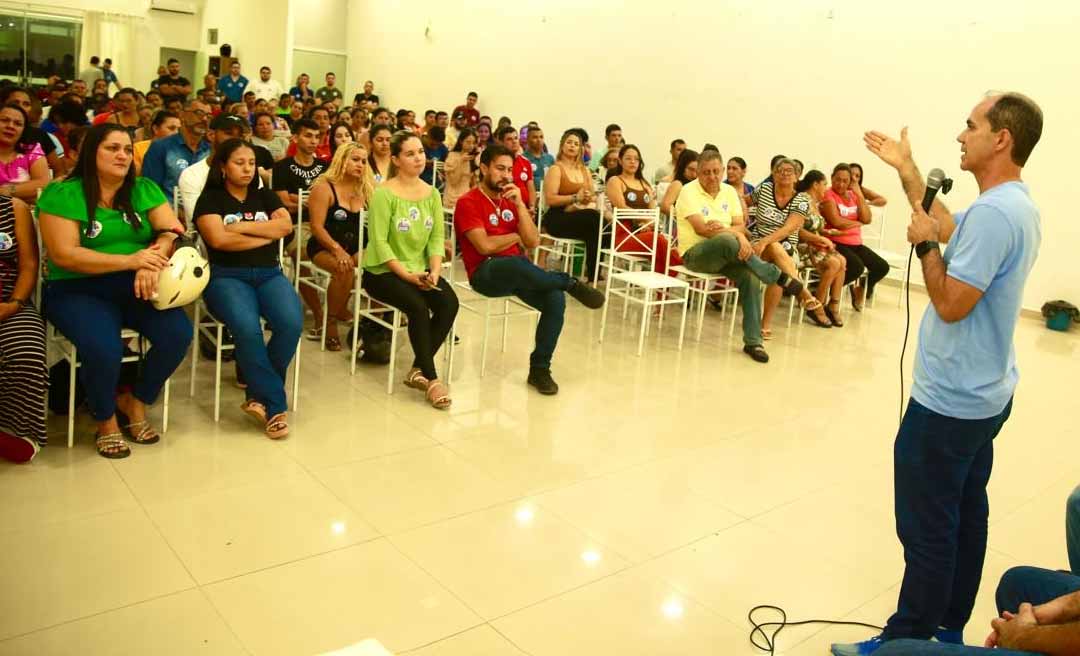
<point>709,155</point>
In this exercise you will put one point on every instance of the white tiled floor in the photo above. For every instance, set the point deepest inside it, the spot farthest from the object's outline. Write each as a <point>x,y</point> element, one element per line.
<point>644,510</point>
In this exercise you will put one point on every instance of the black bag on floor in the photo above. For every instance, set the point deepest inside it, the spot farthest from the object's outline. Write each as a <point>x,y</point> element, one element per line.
<point>374,342</point>
<point>208,349</point>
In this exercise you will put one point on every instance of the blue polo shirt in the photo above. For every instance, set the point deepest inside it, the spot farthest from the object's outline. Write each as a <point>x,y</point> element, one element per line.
<point>540,165</point>
<point>234,91</point>
<point>967,369</point>
<point>167,158</point>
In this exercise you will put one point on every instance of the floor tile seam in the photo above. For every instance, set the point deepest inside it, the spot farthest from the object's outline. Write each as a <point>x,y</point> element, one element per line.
<point>413,650</point>
<point>290,561</point>
<point>203,593</point>
<point>99,613</point>
<point>1028,499</point>
<point>37,526</point>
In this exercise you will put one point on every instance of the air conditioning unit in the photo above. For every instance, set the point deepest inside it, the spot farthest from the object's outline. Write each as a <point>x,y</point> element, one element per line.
<point>187,7</point>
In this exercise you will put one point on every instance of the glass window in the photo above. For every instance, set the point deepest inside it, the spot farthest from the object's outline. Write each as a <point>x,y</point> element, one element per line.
<point>35,46</point>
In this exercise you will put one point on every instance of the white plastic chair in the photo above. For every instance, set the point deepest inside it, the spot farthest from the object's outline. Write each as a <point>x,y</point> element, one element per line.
<point>485,306</point>
<point>656,289</point>
<point>704,285</point>
<point>565,249</point>
<point>206,324</point>
<point>874,236</point>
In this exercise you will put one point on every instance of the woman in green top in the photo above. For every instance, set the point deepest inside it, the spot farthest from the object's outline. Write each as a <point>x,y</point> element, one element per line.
<point>404,258</point>
<point>108,234</point>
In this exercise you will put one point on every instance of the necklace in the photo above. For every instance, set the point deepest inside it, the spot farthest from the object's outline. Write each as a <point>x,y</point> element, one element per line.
<point>494,205</point>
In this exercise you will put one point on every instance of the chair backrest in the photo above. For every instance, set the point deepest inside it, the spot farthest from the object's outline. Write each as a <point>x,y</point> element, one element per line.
<point>636,231</point>
<point>873,234</point>
<point>438,173</point>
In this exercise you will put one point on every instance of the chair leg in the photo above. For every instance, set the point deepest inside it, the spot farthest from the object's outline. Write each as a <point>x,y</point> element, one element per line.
<point>734,311</point>
<point>450,355</point>
<point>72,365</point>
<point>296,374</point>
<point>644,327</point>
<point>682,324</point>
<point>505,324</point>
<point>217,376</point>
<point>603,313</point>
<point>702,300</point>
<point>194,353</point>
<point>165,408</point>
<point>484,341</point>
<point>396,322</point>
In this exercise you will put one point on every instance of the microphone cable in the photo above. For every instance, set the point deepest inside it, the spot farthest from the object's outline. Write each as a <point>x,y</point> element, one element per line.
<point>768,641</point>
<point>906,291</point>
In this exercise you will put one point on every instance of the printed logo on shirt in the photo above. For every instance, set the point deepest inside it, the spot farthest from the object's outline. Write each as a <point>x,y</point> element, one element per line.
<point>181,163</point>
<point>631,196</point>
<point>261,217</point>
<point>533,164</point>
<point>414,213</point>
<point>230,219</point>
<point>705,211</point>
<point>429,223</point>
<point>95,229</point>
<point>6,242</point>
<point>492,219</point>
<point>645,198</point>
<point>507,216</point>
<point>724,206</point>
<point>340,214</point>
<point>403,225</point>
<point>524,176</point>
<point>803,206</point>
<point>378,178</point>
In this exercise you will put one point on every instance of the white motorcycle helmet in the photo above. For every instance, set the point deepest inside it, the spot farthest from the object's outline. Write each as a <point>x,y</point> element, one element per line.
<point>183,280</point>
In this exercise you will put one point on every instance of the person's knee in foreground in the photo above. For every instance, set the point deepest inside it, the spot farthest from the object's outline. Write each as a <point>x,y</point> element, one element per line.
<point>403,261</point>
<point>965,371</point>
<point>108,235</point>
<point>714,239</point>
<point>1072,530</point>
<point>242,225</point>
<point>337,198</point>
<point>494,226</point>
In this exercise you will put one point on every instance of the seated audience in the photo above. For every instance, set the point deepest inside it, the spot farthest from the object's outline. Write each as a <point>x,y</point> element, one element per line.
<point>329,93</point>
<point>28,102</point>
<point>298,171</point>
<point>71,157</point>
<point>781,213</point>
<point>666,171</point>
<point>507,137</point>
<point>379,157</point>
<point>338,197</point>
<point>429,121</point>
<point>686,171</point>
<point>494,227</point>
<point>165,124</point>
<point>24,377</point>
<point>714,240</point>
<point>571,201</point>
<point>302,91</point>
<point>321,116</point>
<point>614,138</point>
<point>453,133</point>
<point>232,86</point>
<point>403,261</point>
<point>537,154</point>
<point>265,136</point>
<point>628,189</point>
<point>242,226</point>
<point>64,118</point>
<point>435,150</point>
<point>154,99</point>
<point>468,110</point>
<point>108,234</point>
<point>736,177</point>
<point>167,158</point>
<point>126,113</point>
<point>193,180</point>
<point>360,123</point>
<point>340,134</point>
<point>265,88</point>
<point>23,167</point>
<point>845,209</point>
<point>873,198</point>
<point>817,250</point>
<point>483,136</point>
<point>461,166</point>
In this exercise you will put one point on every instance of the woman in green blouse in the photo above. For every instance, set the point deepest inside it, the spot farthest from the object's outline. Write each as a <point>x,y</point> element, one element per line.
<point>108,234</point>
<point>404,258</point>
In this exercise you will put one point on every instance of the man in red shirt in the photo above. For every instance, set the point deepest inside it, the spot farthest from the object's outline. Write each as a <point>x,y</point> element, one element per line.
<point>493,227</point>
<point>523,173</point>
<point>472,115</point>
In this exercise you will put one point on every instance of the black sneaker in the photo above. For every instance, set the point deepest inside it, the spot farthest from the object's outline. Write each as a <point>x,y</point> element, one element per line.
<point>543,382</point>
<point>757,352</point>
<point>586,294</point>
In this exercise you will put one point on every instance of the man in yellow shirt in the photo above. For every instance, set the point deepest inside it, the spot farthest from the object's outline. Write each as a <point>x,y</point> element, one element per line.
<point>714,239</point>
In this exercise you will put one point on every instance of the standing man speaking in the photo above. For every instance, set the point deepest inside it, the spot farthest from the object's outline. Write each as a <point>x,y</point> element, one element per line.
<point>965,367</point>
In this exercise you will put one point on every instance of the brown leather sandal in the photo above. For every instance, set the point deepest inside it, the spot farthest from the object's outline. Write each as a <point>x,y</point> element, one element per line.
<point>816,313</point>
<point>255,410</point>
<point>416,380</point>
<point>833,312</point>
<point>278,426</point>
<point>437,395</point>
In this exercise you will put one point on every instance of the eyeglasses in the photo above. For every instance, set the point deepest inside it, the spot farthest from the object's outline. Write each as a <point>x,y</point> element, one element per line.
<point>198,113</point>
<point>786,172</point>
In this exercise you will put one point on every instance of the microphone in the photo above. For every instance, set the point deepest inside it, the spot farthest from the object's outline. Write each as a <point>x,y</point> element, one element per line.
<point>934,181</point>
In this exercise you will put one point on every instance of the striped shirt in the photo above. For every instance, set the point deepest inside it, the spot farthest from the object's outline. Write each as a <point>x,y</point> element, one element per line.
<point>771,217</point>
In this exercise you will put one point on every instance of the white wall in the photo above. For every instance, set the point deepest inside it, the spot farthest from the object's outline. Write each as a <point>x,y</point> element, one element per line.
<point>258,32</point>
<point>801,77</point>
<point>321,24</point>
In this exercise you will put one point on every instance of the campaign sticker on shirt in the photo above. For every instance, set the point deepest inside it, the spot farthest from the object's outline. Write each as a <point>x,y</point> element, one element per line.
<point>645,198</point>
<point>704,211</point>
<point>340,214</point>
<point>182,163</point>
<point>631,196</point>
<point>429,223</point>
<point>230,219</point>
<point>533,164</point>
<point>507,216</point>
<point>492,219</point>
<point>724,206</point>
<point>803,206</point>
<point>6,242</point>
<point>378,178</point>
<point>95,229</point>
<point>403,225</point>
<point>414,213</point>
<point>524,176</point>
<point>261,217</point>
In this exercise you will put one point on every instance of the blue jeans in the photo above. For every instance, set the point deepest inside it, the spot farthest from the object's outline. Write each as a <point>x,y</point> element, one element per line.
<point>927,648</point>
<point>543,290</point>
<point>1072,530</point>
<point>92,311</point>
<point>720,255</point>
<point>238,296</point>
<point>941,468</point>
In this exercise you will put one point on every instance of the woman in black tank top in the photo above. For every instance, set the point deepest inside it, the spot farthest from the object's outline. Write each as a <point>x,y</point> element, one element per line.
<point>627,188</point>
<point>336,209</point>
